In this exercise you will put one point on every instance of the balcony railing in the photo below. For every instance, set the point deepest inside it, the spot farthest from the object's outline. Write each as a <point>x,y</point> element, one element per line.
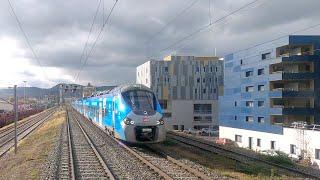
<point>291,89</point>
<point>202,111</point>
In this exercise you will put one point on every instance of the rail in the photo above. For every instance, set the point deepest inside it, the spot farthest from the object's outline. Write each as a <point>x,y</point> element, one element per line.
<point>235,155</point>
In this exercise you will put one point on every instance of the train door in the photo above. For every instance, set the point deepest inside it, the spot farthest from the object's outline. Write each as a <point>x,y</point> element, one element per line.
<point>100,106</point>
<point>113,116</point>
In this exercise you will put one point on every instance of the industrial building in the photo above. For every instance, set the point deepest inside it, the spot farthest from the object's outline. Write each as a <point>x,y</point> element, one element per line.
<point>187,87</point>
<point>271,97</point>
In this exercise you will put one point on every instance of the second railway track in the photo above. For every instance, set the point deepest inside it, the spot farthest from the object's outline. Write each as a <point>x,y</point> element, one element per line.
<point>236,155</point>
<point>23,129</point>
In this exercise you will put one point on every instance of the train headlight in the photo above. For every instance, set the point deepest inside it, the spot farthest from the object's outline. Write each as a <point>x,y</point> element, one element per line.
<point>128,121</point>
<point>160,122</point>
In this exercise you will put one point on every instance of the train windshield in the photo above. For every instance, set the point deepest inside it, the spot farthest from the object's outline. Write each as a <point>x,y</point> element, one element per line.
<point>141,102</point>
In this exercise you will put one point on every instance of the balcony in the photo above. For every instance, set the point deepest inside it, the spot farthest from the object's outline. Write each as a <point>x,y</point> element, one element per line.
<point>281,75</point>
<point>288,120</point>
<point>291,92</point>
<point>291,111</point>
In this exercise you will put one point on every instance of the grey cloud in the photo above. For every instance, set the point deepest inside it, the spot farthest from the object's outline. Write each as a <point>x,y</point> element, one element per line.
<point>58,30</point>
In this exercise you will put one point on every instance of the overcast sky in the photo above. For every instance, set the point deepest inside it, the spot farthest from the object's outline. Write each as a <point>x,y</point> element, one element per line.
<point>58,30</point>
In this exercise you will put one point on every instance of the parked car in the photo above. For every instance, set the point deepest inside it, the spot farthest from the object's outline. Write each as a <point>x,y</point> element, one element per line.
<point>295,157</point>
<point>191,131</point>
<point>269,152</point>
<point>209,131</point>
<point>226,142</point>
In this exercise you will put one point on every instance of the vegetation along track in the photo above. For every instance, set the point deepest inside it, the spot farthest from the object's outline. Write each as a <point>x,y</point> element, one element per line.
<point>235,155</point>
<point>136,162</point>
<point>80,158</point>
<point>23,129</point>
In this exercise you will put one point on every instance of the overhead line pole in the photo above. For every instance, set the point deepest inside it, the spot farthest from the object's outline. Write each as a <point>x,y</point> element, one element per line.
<point>15,118</point>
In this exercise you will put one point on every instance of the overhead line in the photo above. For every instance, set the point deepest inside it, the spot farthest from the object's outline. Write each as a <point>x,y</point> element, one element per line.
<point>95,42</point>
<point>172,20</point>
<point>208,25</point>
<point>277,38</point>
<point>27,39</point>
<point>88,37</point>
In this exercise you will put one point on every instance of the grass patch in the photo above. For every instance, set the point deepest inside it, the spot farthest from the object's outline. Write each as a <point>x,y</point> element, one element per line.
<point>281,158</point>
<point>255,169</point>
<point>32,151</point>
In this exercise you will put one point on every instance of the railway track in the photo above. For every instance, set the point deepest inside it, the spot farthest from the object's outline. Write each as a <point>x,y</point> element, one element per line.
<point>80,159</point>
<point>235,155</point>
<point>23,129</point>
<point>160,166</point>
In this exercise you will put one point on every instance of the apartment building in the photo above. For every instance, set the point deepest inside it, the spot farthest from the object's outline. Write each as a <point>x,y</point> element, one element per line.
<point>187,88</point>
<point>271,97</point>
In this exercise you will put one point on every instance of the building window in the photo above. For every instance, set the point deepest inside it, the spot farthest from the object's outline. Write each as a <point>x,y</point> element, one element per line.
<point>261,88</point>
<point>260,103</point>
<point>195,91</point>
<point>202,108</point>
<point>166,115</point>
<point>203,91</point>
<point>168,80</point>
<point>204,80</point>
<point>197,69</point>
<point>175,127</point>
<point>209,79</point>
<point>249,103</point>
<point>266,56</point>
<point>235,103</point>
<point>235,117</point>
<point>204,69</point>
<point>163,104</point>
<point>249,89</point>
<point>238,138</point>
<point>241,61</point>
<point>216,69</point>
<point>317,154</point>
<point>166,69</point>
<point>260,71</point>
<point>197,118</point>
<point>273,145</point>
<point>249,118</point>
<point>216,79</point>
<point>211,69</point>
<point>198,80</point>
<point>259,142</point>
<point>260,119</point>
<point>208,118</point>
<point>293,149</point>
<point>214,90</point>
<point>249,73</point>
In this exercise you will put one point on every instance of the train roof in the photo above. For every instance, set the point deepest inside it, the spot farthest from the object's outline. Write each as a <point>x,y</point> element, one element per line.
<point>120,89</point>
<point>128,87</point>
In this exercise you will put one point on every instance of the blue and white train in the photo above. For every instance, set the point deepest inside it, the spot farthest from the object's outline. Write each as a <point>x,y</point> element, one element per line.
<point>131,113</point>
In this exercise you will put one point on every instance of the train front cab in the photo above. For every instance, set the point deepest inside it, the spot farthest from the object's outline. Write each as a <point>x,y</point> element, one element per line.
<point>143,122</point>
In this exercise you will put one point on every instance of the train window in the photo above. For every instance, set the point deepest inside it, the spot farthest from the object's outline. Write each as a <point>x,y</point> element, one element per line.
<point>143,101</point>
